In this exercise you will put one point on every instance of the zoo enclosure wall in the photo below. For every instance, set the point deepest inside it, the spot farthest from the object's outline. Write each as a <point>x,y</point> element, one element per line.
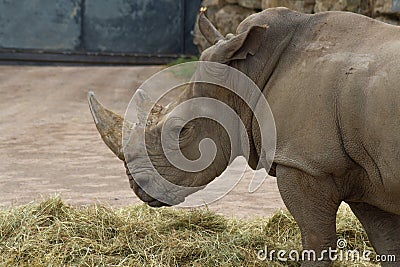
<point>96,31</point>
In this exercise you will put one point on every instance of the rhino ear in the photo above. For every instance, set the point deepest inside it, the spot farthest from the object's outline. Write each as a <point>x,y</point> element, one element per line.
<point>208,30</point>
<point>248,42</point>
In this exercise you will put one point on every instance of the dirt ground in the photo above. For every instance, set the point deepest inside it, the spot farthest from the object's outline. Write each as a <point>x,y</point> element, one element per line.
<point>49,143</point>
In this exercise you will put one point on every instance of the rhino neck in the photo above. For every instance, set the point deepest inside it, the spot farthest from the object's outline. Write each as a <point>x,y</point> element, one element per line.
<point>236,145</point>
<point>246,116</point>
<point>261,67</point>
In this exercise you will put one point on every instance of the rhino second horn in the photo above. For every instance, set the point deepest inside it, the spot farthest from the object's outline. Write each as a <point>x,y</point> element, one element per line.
<point>208,30</point>
<point>143,104</point>
<point>109,124</point>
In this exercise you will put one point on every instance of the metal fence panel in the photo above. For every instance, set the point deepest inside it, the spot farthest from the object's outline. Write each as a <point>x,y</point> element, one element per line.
<point>97,30</point>
<point>40,24</point>
<point>140,26</point>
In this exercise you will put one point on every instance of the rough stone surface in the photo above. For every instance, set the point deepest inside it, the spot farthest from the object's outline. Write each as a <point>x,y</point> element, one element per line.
<point>256,4</point>
<point>357,6</point>
<point>229,17</point>
<point>305,6</point>
<point>387,7</point>
<point>210,13</point>
<point>389,20</point>
<point>208,3</point>
<point>50,24</point>
<point>231,1</point>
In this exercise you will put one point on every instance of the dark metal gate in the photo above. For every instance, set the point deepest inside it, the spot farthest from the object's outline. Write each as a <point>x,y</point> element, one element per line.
<point>97,31</point>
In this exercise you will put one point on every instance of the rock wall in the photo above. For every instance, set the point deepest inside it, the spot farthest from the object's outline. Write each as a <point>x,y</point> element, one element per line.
<point>227,14</point>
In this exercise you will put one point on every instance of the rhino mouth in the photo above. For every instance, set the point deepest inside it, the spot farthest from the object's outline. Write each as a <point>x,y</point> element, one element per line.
<point>141,194</point>
<point>152,202</point>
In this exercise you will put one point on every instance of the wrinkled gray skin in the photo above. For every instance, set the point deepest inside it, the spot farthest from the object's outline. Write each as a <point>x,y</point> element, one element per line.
<point>333,83</point>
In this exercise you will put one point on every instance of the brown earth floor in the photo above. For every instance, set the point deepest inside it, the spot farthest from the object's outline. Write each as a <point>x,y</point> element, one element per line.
<point>49,144</point>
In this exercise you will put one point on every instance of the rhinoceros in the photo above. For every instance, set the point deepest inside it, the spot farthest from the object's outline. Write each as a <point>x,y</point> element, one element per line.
<point>332,81</point>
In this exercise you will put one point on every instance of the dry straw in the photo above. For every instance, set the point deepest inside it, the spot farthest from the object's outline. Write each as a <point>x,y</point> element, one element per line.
<point>51,233</point>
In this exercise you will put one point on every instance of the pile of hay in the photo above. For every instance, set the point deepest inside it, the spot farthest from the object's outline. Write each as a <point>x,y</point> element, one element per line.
<point>52,233</point>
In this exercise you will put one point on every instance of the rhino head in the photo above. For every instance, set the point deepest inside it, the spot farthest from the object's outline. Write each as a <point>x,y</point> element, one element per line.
<point>144,176</point>
<point>189,135</point>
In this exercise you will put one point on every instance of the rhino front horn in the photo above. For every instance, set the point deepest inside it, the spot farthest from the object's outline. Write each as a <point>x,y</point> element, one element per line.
<point>109,125</point>
<point>208,30</point>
